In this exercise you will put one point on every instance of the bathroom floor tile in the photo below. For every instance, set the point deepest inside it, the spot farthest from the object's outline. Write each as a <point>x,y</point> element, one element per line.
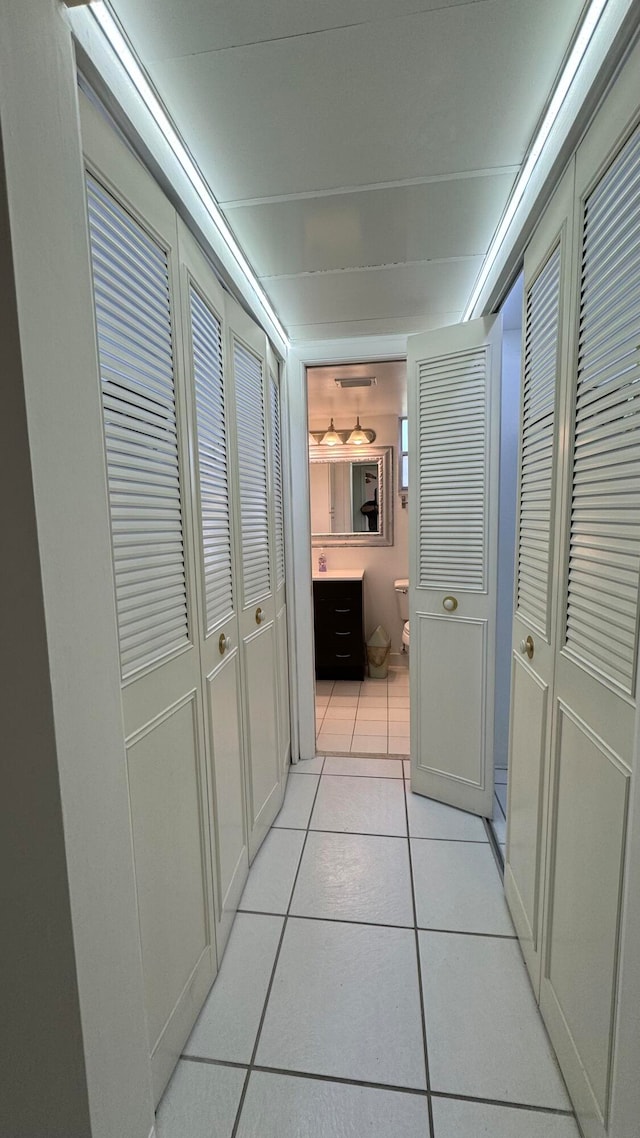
<point>340,712</point>
<point>430,819</point>
<point>486,1038</point>
<point>406,766</point>
<point>360,805</point>
<point>373,687</point>
<point>298,801</point>
<point>398,714</point>
<point>371,768</point>
<point>501,795</point>
<point>372,701</point>
<point>399,701</point>
<point>399,745</point>
<point>322,700</point>
<point>324,687</point>
<point>500,775</point>
<point>499,826</point>
<point>346,687</point>
<point>199,1098</point>
<point>354,878</point>
<point>455,1119</point>
<point>271,877</point>
<point>364,726</point>
<point>228,1023</point>
<point>458,887</point>
<point>399,728</point>
<point>369,744</point>
<point>334,743</point>
<point>371,713</point>
<point>345,1002</point>
<point>282,1106</point>
<point>308,766</point>
<point>343,701</point>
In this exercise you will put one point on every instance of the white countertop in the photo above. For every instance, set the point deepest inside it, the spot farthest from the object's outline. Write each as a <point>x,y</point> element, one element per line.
<point>338,575</point>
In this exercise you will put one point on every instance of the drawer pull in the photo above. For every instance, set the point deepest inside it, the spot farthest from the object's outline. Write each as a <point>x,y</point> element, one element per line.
<point>343,655</point>
<point>343,610</point>
<point>343,634</point>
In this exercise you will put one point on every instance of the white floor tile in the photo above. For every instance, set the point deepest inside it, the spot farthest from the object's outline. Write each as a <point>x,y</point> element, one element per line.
<point>281,1106</point>
<point>346,687</point>
<point>406,766</point>
<point>430,819</point>
<point>398,714</point>
<point>343,701</point>
<point>199,1101</point>
<point>486,1038</point>
<point>327,741</point>
<point>322,700</point>
<point>501,795</point>
<point>458,887</point>
<point>298,801</point>
<point>500,775</point>
<point>374,687</point>
<point>372,701</point>
<point>399,745</point>
<point>324,687</point>
<point>499,826</point>
<point>354,878</point>
<point>364,726</point>
<point>271,877</point>
<point>228,1023</point>
<point>344,1002</point>
<point>339,712</point>
<point>455,1119</point>
<point>371,768</point>
<point>369,744</point>
<point>360,805</point>
<point>371,713</point>
<point>308,766</point>
<point>399,728</point>
<point>399,701</point>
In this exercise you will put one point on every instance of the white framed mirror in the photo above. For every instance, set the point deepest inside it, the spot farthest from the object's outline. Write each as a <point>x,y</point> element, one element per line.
<point>351,495</point>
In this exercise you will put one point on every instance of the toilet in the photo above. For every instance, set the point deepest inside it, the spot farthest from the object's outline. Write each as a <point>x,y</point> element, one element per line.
<point>401,587</point>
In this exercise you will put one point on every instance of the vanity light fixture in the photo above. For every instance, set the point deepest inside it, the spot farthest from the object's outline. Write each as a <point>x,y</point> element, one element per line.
<point>331,438</point>
<point>358,438</point>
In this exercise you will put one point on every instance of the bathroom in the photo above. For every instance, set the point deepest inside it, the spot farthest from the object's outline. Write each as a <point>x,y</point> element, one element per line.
<point>360,553</point>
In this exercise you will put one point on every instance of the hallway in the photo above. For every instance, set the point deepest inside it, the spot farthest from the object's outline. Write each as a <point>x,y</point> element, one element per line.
<point>372,984</point>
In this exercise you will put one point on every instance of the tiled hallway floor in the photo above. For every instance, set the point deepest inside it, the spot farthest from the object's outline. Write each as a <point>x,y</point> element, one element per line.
<point>372,984</point>
<point>371,717</point>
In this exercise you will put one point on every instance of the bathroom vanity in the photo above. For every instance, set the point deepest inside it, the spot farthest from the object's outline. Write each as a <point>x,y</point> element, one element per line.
<point>339,624</point>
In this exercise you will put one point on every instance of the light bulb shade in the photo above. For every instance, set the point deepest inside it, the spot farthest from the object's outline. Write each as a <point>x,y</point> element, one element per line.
<point>331,438</point>
<point>357,438</point>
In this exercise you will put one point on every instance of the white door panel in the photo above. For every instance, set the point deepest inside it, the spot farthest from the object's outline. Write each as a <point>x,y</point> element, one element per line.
<point>454,405</point>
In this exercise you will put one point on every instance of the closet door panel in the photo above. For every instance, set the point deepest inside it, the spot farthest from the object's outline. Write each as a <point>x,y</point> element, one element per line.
<point>133,238</point>
<point>207,367</point>
<point>278,562</point>
<point>596,664</point>
<point>254,544</point>
<point>545,315</point>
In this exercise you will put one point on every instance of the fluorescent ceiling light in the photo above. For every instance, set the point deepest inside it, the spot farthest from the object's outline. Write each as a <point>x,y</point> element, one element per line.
<point>569,72</point>
<point>138,77</point>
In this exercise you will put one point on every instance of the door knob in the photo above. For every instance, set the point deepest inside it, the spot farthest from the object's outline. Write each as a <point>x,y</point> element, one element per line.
<point>223,643</point>
<point>527,647</point>
<point>259,615</point>
<point>450,604</point>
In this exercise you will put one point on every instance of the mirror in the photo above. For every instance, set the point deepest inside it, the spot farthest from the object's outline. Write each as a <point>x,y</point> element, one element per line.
<point>351,495</point>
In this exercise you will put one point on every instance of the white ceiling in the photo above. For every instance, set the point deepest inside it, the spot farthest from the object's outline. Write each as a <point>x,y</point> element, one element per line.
<point>362,150</point>
<point>327,400</point>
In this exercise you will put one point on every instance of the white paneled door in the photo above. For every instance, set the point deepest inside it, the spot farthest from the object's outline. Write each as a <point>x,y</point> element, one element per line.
<point>215,482</point>
<point>134,259</point>
<point>247,348</point>
<point>545,325</point>
<point>454,407</point>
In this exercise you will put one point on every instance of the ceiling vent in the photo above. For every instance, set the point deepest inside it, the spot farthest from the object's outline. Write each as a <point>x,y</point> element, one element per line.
<point>357,381</point>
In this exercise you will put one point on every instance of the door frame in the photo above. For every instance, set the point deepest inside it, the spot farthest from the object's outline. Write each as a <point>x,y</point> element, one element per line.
<point>312,353</point>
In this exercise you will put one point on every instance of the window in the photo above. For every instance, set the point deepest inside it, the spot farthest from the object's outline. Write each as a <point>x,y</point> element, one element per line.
<point>403,455</point>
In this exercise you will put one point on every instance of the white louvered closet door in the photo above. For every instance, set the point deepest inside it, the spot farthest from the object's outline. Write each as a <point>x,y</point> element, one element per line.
<point>454,401</point>
<point>597,657</point>
<point>209,382</point>
<point>536,595</point>
<point>247,353</point>
<point>133,246</point>
<point>278,563</point>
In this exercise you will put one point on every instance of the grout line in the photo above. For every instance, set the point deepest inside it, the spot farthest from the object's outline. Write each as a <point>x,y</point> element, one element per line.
<point>419,969</point>
<point>313,1075</point>
<point>501,807</point>
<point>371,834</point>
<point>377,924</point>
<point>495,846</point>
<point>273,973</point>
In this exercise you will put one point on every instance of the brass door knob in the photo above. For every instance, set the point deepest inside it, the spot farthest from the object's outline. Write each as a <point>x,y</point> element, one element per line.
<point>450,604</point>
<point>223,643</point>
<point>527,647</point>
<point>259,615</point>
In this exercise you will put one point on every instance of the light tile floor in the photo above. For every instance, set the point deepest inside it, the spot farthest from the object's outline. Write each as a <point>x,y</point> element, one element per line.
<point>372,984</point>
<point>371,717</point>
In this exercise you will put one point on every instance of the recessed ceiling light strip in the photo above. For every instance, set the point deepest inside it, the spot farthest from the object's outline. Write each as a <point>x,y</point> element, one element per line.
<point>135,72</point>
<point>569,72</point>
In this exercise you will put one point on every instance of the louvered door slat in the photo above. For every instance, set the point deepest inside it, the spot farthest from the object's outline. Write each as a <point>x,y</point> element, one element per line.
<point>451,454</point>
<point>133,312</point>
<point>278,504</point>
<point>537,450</point>
<point>604,560</point>
<point>206,342</point>
<point>252,473</point>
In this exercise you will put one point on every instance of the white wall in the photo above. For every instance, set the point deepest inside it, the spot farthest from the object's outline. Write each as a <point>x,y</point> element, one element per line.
<point>509,427</point>
<point>382,563</point>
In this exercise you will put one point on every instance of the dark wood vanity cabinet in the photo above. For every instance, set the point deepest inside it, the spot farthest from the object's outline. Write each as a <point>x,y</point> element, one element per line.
<point>339,629</point>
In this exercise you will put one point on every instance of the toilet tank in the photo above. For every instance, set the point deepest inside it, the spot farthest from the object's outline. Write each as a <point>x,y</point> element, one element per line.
<point>401,587</point>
